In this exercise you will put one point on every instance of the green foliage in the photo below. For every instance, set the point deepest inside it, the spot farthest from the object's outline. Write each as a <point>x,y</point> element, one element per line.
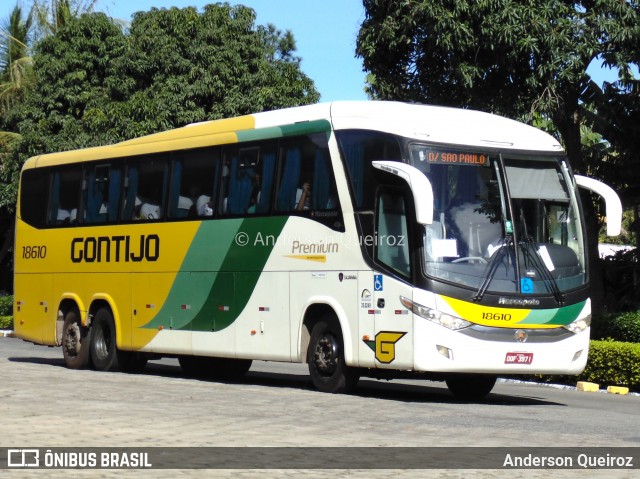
<point>6,305</point>
<point>627,236</point>
<point>6,322</point>
<point>613,364</point>
<point>621,277</point>
<point>15,63</point>
<point>619,327</point>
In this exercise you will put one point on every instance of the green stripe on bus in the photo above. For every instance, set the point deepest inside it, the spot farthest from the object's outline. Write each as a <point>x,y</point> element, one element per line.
<point>303,128</point>
<point>219,273</point>
<point>561,316</point>
<point>306,128</point>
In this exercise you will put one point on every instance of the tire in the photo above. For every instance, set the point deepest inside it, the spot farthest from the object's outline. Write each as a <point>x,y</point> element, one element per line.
<point>76,340</point>
<point>325,357</point>
<point>104,353</point>
<point>471,387</point>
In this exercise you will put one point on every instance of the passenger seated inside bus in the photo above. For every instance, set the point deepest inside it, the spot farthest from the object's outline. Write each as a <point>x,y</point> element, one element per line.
<point>204,206</point>
<point>145,210</point>
<point>149,211</point>
<point>63,217</point>
<point>303,197</point>
<point>185,204</point>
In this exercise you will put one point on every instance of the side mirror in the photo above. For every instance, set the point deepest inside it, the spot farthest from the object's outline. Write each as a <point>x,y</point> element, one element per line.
<point>418,183</point>
<point>612,201</point>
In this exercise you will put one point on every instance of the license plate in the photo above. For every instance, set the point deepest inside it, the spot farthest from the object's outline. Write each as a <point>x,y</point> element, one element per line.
<point>518,358</point>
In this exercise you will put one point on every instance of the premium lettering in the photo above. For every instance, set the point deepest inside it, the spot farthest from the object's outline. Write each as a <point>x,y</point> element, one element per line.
<point>107,249</point>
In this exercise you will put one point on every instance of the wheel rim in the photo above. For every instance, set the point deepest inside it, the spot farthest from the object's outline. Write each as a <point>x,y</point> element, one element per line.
<point>72,340</point>
<point>326,354</point>
<point>102,341</point>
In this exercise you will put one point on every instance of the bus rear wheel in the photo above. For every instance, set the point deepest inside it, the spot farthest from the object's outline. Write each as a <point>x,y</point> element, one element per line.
<point>76,339</point>
<point>325,357</point>
<point>104,353</point>
<point>471,387</point>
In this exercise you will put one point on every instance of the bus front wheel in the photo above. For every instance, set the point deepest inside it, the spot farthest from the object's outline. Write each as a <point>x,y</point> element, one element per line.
<point>325,357</point>
<point>104,353</point>
<point>75,341</point>
<point>471,387</point>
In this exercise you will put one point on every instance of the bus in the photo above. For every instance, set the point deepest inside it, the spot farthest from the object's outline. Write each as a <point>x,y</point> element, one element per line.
<point>366,239</point>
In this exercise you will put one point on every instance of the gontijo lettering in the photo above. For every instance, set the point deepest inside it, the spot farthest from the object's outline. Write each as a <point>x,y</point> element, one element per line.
<point>105,249</point>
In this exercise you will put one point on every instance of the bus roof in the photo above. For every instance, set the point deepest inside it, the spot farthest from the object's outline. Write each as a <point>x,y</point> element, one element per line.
<point>422,122</point>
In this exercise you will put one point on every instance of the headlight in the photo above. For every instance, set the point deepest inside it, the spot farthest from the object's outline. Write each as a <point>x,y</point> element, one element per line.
<point>435,316</point>
<point>579,325</point>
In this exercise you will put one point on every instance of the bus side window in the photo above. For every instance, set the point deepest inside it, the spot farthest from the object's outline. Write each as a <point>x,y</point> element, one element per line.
<point>359,148</point>
<point>146,188</point>
<point>290,185</point>
<point>130,191</point>
<point>264,181</point>
<point>243,168</point>
<point>306,180</point>
<point>392,239</point>
<point>34,196</point>
<point>194,183</point>
<point>65,196</point>
<point>324,195</point>
<point>101,191</point>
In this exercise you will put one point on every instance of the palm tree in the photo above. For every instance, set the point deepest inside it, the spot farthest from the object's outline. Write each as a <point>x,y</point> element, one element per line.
<point>15,62</point>
<point>51,15</point>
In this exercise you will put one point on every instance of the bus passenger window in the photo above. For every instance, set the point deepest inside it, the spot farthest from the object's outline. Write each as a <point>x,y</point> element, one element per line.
<point>359,148</point>
<point>193,183</point>
<point>306,179</point>
<point>65,196</point>
<point>243,178</point>
<point>146,188</point>
<point>101,194</point>
<point>34,196</point>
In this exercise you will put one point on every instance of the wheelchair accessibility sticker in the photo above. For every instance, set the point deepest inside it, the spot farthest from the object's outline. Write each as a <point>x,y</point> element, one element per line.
<point>526,285</point>
<point>377,282</point>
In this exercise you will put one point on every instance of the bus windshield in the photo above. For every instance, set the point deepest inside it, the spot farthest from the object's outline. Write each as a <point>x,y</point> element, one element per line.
<point>501,223</point>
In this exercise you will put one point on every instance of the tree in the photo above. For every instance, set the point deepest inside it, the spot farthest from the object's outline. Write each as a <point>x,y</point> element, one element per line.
<point>54,14</point>
<point>15,62</point>
<point>186,66</point>
<point>515,58</point>
<point>97,85</point>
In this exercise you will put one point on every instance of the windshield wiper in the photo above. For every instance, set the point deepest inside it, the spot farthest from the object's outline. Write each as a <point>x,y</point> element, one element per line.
<point>504,247</point>
<point>538,263</point>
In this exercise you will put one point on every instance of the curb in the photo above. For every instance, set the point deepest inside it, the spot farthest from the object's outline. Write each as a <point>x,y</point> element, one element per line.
<point>583,386</point>
<point>593,387</point>
<point>587,387</point>
<point>7,333</point>
<point>617,390</point>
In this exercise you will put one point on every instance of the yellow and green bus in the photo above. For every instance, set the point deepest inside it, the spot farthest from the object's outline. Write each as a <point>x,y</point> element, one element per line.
<point>375,239</point>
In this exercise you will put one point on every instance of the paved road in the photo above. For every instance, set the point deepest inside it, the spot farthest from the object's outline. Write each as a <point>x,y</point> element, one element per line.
<point>46,405</point>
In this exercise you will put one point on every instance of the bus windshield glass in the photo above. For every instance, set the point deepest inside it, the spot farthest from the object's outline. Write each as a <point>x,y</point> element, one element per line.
<point>501,224</point>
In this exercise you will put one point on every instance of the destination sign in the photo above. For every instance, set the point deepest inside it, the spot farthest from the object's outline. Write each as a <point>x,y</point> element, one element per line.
<point>452,157</point>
